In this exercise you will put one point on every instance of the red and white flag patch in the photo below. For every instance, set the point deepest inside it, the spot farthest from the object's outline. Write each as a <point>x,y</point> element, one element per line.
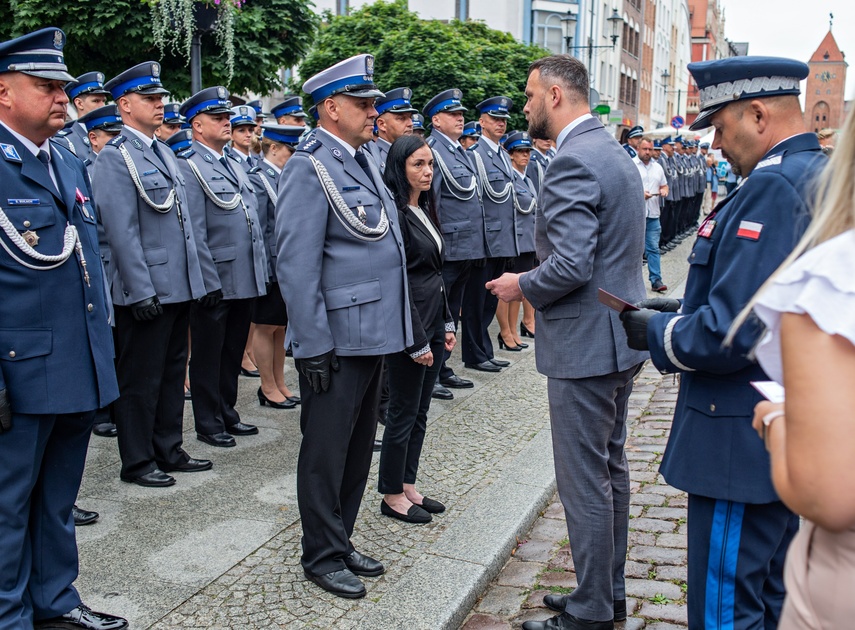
<point>750,230</point>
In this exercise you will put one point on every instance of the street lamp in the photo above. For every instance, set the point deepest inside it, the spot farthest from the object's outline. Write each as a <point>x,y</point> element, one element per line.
<point>665,76</point>
<point>568,24</point>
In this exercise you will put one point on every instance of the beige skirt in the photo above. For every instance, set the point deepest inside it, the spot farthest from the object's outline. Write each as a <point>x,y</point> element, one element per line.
<point>820,580</point>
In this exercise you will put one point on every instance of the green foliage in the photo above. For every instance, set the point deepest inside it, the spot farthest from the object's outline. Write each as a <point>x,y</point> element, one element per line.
<point>428,55</point>
<point>113,35</point>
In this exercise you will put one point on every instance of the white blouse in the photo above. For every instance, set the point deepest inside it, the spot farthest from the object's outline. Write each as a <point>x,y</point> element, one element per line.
<point>425,219</point>
<point>821,284</point>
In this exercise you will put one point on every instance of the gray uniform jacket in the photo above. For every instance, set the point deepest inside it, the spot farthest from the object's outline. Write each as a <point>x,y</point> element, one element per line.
<point>266,180</point>
<point>461,214</point>
<point>379,149</point>
<point>75,138</point>
<point>232,240</point>
<point>589,235</point>
<point>152,252</point>
<point>499,217</point>
<point>246,164</point>
<point>525,192</point>
<point>536,169</point>
<point>343,292</point>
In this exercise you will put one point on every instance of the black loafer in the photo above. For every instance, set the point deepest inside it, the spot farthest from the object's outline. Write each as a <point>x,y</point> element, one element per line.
<point>105,429</point>
<point>430,506</point>
<point>340,583</point>
<point>414,515</point>
<point>441,393</point>
<point>83,517</point>
<point>83,617</point>
<point>487,366</point>
<point>566,621</point>
<point>242,428</point>
<point>500,362</point>
<point>191,465</point>
<point>559,602</point>
<point>360,564</point>
<point>455,382</point>
<point>154,479</point>
<point>223,440</point>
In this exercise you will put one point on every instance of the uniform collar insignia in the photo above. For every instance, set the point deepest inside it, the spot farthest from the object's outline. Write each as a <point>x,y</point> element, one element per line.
<point>337,154</point>
<point>86,141</point>
<point>136,142</point>
<point>271,172</point>
<point>10,153</point>
<point>209,158</point>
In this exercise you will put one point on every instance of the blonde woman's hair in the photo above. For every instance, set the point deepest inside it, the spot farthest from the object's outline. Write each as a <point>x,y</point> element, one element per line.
<point>833,212</point>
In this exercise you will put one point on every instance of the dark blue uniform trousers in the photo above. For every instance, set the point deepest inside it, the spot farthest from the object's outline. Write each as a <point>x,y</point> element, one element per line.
<point>479,309</point>
<point>455,275</point>
<point>736,563</point>
<point>41,464</point>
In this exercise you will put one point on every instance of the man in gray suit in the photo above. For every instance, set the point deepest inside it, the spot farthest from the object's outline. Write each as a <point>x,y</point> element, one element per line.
<point>224,211</point>
<point>142,202</point>
<point>589,235</point>
<point>342,272</point>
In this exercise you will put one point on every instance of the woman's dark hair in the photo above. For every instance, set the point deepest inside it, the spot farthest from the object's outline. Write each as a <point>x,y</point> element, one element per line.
<point>395,175</point>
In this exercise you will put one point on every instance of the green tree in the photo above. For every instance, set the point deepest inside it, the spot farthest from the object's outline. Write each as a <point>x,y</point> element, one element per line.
<point>428,55</point>
<point>113,35</point>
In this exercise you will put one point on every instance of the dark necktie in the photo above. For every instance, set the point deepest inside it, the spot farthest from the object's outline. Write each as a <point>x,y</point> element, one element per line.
<point>156,150</point>
<point>363,162</point>
<point>225,162</point>
<point>44,158</point>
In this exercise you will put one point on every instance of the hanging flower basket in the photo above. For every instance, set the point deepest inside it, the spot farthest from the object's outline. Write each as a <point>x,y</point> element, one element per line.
<point>174,22</point>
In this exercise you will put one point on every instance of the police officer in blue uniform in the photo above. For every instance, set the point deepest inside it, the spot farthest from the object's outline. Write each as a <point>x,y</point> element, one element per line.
<point>497,185</point>
<point>394,119</point>
<point>290,111</point>
<point>341,267</point>
<point>457,189</point>
<point>633,139</point>
<point>141,200</point>
<point>86,93</point>
<point>243,128</point>
<point>738,528</point>
<point>224,212</point>
<point>419,124</point>
<point>471,134</point>
<point>172,122</point>
<point>56,352</point>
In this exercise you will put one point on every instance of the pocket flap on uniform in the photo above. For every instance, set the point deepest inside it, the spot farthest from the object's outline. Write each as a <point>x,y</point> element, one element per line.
<point>493,226</point>
<point>156,256</point>
<point>568,310</point>
<point>352,294</point>
<point>455,226</point>
<point>223,254</point>
<point>31,217</point>
<point>17,344</point>
<point>727,404</point>
<point>701,252</point>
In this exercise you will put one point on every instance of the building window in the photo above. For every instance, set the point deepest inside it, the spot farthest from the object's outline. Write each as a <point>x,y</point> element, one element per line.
<point>548,32</point>
<point>341,7</point>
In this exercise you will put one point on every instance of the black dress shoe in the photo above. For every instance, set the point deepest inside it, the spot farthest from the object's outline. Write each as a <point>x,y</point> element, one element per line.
<point>223,440</point>
<point>522,345</point>
<point>340,583</point>
<point>242,428</point>
<point>105,429</point>
<point>414,515</point>
<point>559,602</point>
<point>525,332</point>
<point>83,617</point>
<point>378,445</point>
<point>294,399</point>
<point>504,346</point>
<point>431,506</point>
<point>455,382</point>
<point>285,404</point>
<point>441,393</point>
<point>250,373</point>
<point>154,479</point>
<point>191,465</point>
<point>499,362</point>
<point>487,366</point>
<point>566,621</point>
<point>83,517</point>
<point>188,395</point>
<point>363,565</point>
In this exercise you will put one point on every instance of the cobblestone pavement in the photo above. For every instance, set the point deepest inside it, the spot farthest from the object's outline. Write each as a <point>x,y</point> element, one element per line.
<point>656,565</point>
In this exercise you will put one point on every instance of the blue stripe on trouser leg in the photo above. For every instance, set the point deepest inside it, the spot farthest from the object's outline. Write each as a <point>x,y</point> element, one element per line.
<point>721,568</point>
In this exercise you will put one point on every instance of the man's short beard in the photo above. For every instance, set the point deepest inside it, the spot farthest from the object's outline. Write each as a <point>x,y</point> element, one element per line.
<point>538,125</point>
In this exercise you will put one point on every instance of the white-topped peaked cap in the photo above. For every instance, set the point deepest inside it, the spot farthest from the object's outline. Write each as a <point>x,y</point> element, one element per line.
<point>354,77</point>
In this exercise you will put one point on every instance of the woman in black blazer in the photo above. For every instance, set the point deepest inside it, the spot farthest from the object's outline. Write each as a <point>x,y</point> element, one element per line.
<point>412,373</point>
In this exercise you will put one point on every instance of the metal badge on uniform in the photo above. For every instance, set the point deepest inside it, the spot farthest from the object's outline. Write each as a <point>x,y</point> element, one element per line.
<point>750,230</point>
<point>86,141</point>
<point>136,142</point>
<point>208,158</point>
<point>271,172</point>
<point>24,202</point>
<point>706,229</point>
<point>360,212</point>
<point>155,70</point>
<point>10,153</point>
<point>31,238</point>
<point>57,39</point>
<point>336,153</point>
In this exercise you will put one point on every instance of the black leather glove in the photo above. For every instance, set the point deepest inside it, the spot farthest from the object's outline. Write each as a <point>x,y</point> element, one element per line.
<point>5,412</point>
<point>663,305</point>
<point>317,370</point>
<point>147,309</point>
<point>479,263</point>
<point>635,325</point>
<point>212,299</point>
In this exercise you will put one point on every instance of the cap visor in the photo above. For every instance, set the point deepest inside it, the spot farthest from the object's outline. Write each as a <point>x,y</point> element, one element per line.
<point>219,110</point>
<point>703,119</point>
<point>152,90</point>
<point>455,108</point>
<point>53,75</point>
<point>503,116</point>
<point>369,93</point>
<point>403,110</point>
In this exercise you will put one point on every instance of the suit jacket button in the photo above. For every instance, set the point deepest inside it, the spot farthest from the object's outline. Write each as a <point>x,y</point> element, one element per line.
<point>353,298</point>
<point>90,308</point>
<point>26,224</point>
<point>12,354</point>
<point>712,407</point>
